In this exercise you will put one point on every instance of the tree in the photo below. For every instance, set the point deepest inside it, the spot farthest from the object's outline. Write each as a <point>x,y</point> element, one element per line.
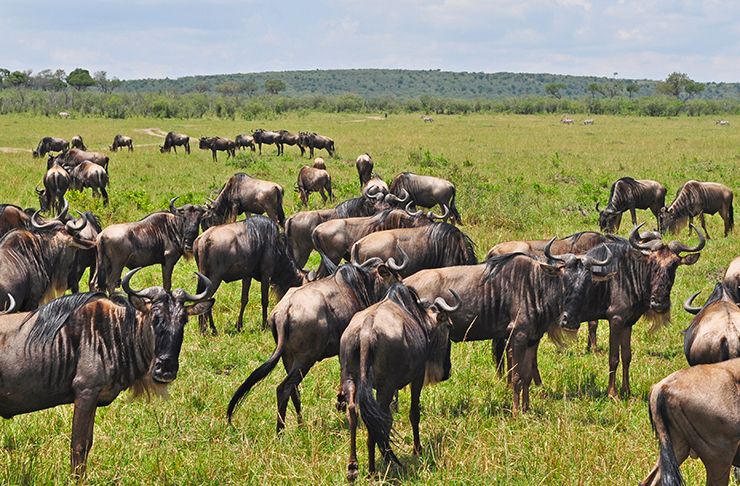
<point>106,85</point>
<point>48,80</point>
<point>632,89</point>
<point>693,88</point>
<point>594,89</point>
<point>4,73</point>
<point>677,83</point>
<point>554,89</point>
<point>274,86</point>
<point>80,79</point>
<point>19,79</point>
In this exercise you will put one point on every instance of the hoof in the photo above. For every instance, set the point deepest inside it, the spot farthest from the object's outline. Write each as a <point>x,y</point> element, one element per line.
<point>352,472</point>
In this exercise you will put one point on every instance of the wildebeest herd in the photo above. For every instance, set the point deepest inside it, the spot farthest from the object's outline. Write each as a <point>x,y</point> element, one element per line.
<point>410,286</point>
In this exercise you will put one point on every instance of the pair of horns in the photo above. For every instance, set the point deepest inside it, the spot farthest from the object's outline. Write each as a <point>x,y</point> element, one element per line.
<point>153,292</point>
<point>61,218</point>
<point>589,261</point>
<point>674,246</point>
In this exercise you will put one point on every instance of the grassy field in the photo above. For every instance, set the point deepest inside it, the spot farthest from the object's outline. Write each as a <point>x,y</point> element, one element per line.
<point>517,176</point>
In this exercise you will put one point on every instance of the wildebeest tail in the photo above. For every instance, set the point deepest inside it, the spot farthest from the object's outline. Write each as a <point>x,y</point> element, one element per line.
<point>331,267</point>
<point>730,218</point>
<point>355,254</point>
<point>280,211</point>
<point>261,372</point>
<point>670,473</point>
<point>453,207</point>
<point>101,266</point>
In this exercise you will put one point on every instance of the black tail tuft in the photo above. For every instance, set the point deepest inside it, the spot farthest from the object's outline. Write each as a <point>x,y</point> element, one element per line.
<point>378,422</point>
<point>670,471</point>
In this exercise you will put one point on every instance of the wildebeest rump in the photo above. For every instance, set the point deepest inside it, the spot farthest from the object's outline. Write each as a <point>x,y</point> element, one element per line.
<point>120,141</point>
<point>697,199</point>
<point>311,180</point>
<point>243,193</point>
<point>88,174</point>
<point>630,194</point>
<point>86,349</point>
<point>50,144</point>
<point>215,144</point>
<point>364,165</point>
<point>714,334</point>
<point>56,182</point>
<point>76,142</point>
<point>243,141</point>
<point>172,140</point>
<point>427,191</point>
<point>319,163</point>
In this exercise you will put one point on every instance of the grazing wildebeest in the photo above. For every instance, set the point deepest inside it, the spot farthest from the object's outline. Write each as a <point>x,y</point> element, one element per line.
<point>56,182</point>
<point>376,188</point>
<point>86,349</point>
<point>88,174</point>
<point>697,199</point>
<point>159,238</point>
<point>50,144</point>
<point>514,299</point>
<point>243,193</point>
<point>722,123</point>
<point>267,137</point>
<point>319,163</point>
<point>732,279</point>
<point>714,334</point>
<point>246,250</point>
<point>243,141</point>
<point>397,342</point>
<point>172,140</point>
<point>73,157</point>
<point>214,144</point>
<point>364,165</point>
<point>566,121</point>
<point>427,191</point>
<point>630,194</point>
<point>434,246</point>
<point>76,142</point>
<point>120,141</point>
<point>12,217</point>
<point>696,411</point>
<point>588,121</point>
<point>313,180</point>
<point>36,263</point>
<point>85,259</point>
<point>308,322</point>
<point>315,141</point>
<point>287,138</point>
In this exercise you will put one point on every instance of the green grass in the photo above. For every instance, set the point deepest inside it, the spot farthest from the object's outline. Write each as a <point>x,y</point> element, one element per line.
<point>517,177</point>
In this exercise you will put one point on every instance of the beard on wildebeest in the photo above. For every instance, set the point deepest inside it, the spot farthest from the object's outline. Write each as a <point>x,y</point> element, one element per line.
<point>88,174</point>
<point>215,144</point>
<point>159,238</point>
<point>243,193</point>
<point>50,144</point>
<point>714,334</point>
<point>268,137</point>
<point>246,250</point>
<point>120,141</point>
<point>397,342</point>
<point>56,182</point>
<point>86,349</point>
<point>172,140</point>
<point>514,299</point>
<point>427,191</point>
<point>74,157</point>
<point>308,322</point>
<point>697,199</point>
<point>630,194</point>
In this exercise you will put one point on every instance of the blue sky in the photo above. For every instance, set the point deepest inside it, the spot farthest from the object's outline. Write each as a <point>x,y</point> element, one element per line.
<point>163,38</point>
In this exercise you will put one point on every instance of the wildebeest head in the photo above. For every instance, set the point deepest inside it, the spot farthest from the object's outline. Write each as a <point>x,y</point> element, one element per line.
<point>439,364</point>
<point>68,233</point>
<point>168,316</point>
<point>191,215</point>
<point>382,274</point>
<point>204,143</point>
<point>608,219</point>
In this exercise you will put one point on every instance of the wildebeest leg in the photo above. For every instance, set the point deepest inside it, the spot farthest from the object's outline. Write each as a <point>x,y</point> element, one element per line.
<point>498,347</point>
<point>527,371</point>
<point>626,349</point>
<point>535,366</point>
<point>323,194</point>
<point>384,397</point>
<point>167,267</point>
<point>265,299</point>
<point>633,213</point>
<point>591,344</point>
<point>91,277</point>
<point>83,422</point>
<point>615,339</point>
<point>415,411</point>
<point>285,391</point>
<point>295,397</point>
<point>246,284</point>
<point>348,388</point>
<point>105,196</point>
<point>518,362</point>
<point>703,225</point>
<point>260,146</point>
<point>213,155</point>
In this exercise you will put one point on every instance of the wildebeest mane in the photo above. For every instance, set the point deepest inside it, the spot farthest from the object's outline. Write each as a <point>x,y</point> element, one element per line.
<point>358,281</point>
<point>264,233</point>
<point>407,299</point>
<point>497,262</point>
<point>399,182</point>
<point>681,207</point>
<point>355,207</point>
<point>52,316</point>
<point>448,246</point>
<point>93,220</point>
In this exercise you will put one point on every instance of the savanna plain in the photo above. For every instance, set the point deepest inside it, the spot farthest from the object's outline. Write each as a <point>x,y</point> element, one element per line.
<point>516,176</point>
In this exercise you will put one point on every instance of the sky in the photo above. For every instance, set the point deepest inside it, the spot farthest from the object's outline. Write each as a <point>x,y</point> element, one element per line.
<point>161,38</point>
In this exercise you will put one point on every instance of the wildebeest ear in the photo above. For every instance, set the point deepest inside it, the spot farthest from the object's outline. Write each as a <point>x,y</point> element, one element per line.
<point>141,305</point>
<point>551,270</point>
<point>200,308</point>
<point>690,259</point>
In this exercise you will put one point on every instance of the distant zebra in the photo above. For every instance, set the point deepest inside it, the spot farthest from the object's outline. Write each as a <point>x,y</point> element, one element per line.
<point>427,119</point>
<point>63,114</point>
<point>566,121</point>
<point>590,121</point>
<point>722,123</point>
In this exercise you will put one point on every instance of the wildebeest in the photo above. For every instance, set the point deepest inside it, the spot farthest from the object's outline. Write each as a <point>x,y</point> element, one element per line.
<point>397,342</point>
<point>364,165</point>
<point>267,137</point>
<point>214,144</point>
<point>427,191</point>
<point>85,259</point>
<point>287,138</point>
<point>120,141</point>
<point>315,141</point>
<point>732,279</point>
<point>86,349</point>
<point>243,193</point>
<point>172,140</point>
<point>159,238</point>
<point>313,180</point>
<point>434,246</point>
<point>696,411</point>
<point>243,141</point>
<point>697,199</point>
<point>88,174</point>
<point>308,322</point>
<point>35,264</point>
<point>12,217</point>
<point>73,157</point>
<point>50,144</point>
<point>714,334</point>
<point>246,250</point>
<point>630,194</point>
<point>319,163</point>
<point>376,188</point>
<point>76,142</point>
<point>56,182</point>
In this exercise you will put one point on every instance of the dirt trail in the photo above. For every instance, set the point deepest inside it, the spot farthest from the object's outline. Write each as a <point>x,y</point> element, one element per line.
<point>153,132</point>
<point>13,150</point>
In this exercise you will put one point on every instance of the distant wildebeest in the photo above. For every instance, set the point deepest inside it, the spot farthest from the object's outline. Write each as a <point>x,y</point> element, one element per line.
<point>215,144</point>
<point>308,322</point>
<point>88,174</point>
<point>267,137</point>
<point>172,140</point>
<point>243,193</point>
<point>315,141</point>
<point>434,246</point>
<point>73,157</point>
<point>714,334</point>
<point>364,165</point>
<point>697,199</point>
<point>287,138</point>
<point>120,141</point>
<point>50,144</point>
<point>722,123</point>
<point>397,342</point>
<point>86,349</point>
<point>56,182</point>
<point>63,114</point>
<point>85,259</point>
<point>696,411</point>
<point>159,238</point>
<point>732,279</point>
<point>630,194</point>
<point>567,121</point>
<point>313,180</point>
<point>427,119</point>
<point>427,192</point>
<point>319,163</point>
<point>12,217</point>
<point>76,142</point>
<point>246,250</point>
<point>243,141</point>
<point>36,263</point>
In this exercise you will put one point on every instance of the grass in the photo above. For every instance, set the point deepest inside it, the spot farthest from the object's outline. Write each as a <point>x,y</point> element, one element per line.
<point>517,177</point>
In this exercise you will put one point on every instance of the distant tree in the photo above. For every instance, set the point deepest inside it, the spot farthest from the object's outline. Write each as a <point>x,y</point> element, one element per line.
<point>4,73</point>
<point>49,81</point>
<point>200,87</point>
<point>19,79</point>
<point>229,88</point>
<point>249,88</point>
<point>554,89</point>
<point>677,84</point>
<point>274,86</point>
<point>106,85</point>
<point>632,89</point>
<point>80,79</point>
<point>613,88</point>
<point>594,89</point>
<point>693,88</point>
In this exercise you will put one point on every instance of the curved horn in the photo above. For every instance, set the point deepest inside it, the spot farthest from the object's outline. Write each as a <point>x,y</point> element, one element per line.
<point>39,191</point>
<point>398,266</point>
<point>444,216</point>
<point>442,303</point>
<point>11,305</point>
<point>591,261</point>
<point>597,207</point>
<point>634,235</point>
<point>37,225</point>
<point>62,216</point>
<point>408,209</point>
<point>202,279</point>
<point>688,307</point>
<point>679,247</point>
<point>549,255</point>
<point>370,261</point>
<point>173,209</point>
<point>370,192</point>
<point>71,227</point>
<point>127,288</point>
